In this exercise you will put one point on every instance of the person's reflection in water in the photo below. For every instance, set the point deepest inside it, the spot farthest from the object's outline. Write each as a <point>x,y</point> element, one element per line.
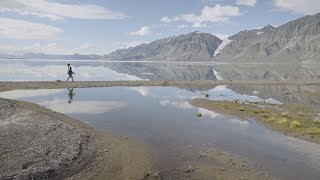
<point>71,94</point>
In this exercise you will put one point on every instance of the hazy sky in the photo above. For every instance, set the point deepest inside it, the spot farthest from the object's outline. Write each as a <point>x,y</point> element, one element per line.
<point>101,26</point>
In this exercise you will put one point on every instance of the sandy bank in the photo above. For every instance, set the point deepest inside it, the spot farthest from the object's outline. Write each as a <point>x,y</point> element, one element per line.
<point>87,84</point>
<point>37,143</point>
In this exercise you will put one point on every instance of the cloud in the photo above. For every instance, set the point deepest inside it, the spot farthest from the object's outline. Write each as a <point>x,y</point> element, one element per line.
<point>20,29</point>
<point>215,14</point>
<point>299,6</point>
<point>198,25</point>
<point>166,19</point>
<point>57,11</point>
<point>144,31</point>
<point>246,2</point>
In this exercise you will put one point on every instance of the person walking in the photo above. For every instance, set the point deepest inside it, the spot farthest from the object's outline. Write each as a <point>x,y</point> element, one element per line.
<point>70,73</point>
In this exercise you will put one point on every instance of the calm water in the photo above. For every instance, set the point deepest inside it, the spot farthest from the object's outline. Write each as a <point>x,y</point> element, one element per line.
<point>162,118</point>
<point>36,70</point>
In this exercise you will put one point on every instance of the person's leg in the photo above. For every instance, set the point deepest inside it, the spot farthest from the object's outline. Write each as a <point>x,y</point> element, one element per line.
<point>72,78</point>
<point>68,78</point>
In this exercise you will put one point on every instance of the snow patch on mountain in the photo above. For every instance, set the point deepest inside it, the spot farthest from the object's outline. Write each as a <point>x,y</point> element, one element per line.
<point>217,74</point>
<point>224,43</point>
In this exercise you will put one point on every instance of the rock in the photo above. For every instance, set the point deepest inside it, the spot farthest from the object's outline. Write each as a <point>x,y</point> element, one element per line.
<point>284,114</point>
<point>156,175</point>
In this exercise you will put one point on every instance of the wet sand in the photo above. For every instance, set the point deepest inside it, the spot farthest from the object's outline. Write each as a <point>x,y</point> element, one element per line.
<point>191,84</point>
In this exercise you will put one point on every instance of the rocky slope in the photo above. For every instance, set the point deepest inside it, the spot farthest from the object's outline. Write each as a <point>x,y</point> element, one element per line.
<point>295,41</point>
<point>194,46</point>
<point>37,143</point>
<point>252,34</point>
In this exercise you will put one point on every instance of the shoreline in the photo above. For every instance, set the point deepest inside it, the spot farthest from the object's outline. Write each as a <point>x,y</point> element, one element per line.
<point>14,85</point>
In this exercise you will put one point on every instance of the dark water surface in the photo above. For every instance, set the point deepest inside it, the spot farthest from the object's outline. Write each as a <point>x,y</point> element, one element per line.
<point>162,118</point>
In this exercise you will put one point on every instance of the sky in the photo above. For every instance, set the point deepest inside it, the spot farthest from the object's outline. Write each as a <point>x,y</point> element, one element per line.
<point>102,26</point>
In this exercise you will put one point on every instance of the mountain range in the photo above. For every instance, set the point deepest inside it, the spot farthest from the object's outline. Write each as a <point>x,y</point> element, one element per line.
<point>193,46</point>
<point>296,41</point>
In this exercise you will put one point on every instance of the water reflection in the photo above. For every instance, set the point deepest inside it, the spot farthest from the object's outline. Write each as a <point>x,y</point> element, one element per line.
<point>168,71</point>
<point>212,71</point>
<point>82,107</point>
<point>71,94</point>
<point>225,93</point>
<point>284,94</point>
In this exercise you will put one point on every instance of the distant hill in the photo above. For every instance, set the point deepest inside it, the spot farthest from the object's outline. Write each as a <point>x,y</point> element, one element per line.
<point>194,46</point>
<point>296,41</point>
